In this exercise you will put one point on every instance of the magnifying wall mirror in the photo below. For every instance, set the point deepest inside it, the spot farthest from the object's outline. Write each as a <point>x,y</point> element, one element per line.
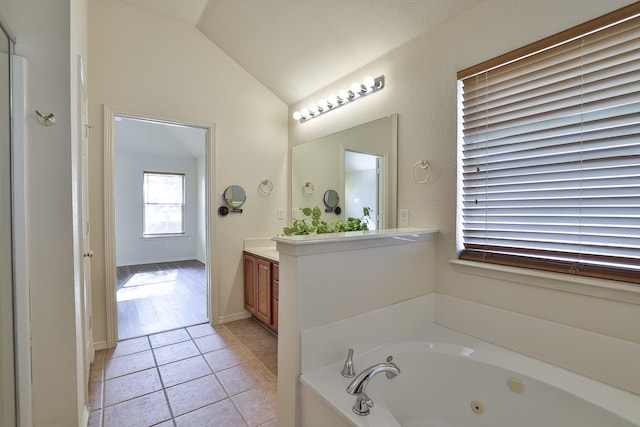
<point>331,200</point>
<point>234,196</point>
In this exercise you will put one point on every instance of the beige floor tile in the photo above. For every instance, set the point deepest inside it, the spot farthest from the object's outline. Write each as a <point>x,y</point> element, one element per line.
<point>123,365</point>
<point>195,394</point>
<point>175,352</point>
<point>142,411</point>
<point>165,424</point>
<point>226,358</point>
<point>217,341</point>
<point>258,405</point>
<point>244,377</point>
<point>169,337</point>
<point>134,345</point>
<point>222,414</point>
<point>198,331</point>
<point>184,370</point>
<point>130,386</point>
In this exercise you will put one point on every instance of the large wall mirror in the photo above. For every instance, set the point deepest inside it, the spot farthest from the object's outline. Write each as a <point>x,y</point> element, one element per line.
<point>359,163</point>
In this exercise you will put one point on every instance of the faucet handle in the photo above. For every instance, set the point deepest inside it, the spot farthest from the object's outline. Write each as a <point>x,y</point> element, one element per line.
<point>347,370</point>
<point>362,405</point>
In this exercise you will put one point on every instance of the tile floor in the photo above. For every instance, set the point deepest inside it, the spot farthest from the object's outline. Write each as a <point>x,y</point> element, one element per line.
<point>196,376</point>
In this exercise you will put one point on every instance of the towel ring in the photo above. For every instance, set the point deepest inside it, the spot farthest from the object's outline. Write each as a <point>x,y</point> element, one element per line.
<point>423,164</point>
<point>308,188</point>
<point>265,187</point>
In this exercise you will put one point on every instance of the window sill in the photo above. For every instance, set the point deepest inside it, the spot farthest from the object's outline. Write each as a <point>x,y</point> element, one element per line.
<point>608,289</point>
<point>164,236</point>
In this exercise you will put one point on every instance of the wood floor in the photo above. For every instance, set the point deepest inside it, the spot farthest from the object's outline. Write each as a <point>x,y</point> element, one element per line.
<point>159,297</point>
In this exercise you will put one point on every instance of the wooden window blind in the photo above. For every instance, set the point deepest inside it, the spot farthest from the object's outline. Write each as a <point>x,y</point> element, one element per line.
<point>551,153</point>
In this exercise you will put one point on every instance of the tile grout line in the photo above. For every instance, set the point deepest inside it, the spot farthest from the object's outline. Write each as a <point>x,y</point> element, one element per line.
<point>164,389</point>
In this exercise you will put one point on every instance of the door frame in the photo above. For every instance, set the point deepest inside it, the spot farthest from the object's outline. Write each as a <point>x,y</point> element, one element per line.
<point>109,214</point>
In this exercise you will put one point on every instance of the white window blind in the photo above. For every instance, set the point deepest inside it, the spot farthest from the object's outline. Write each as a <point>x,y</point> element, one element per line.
<point>164,203</point>
<point>551,158</point>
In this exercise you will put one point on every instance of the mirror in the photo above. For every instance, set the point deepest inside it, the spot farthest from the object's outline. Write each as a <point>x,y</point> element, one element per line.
<point>360,163</point>
<point>331,200</point>
<point>234,196</point>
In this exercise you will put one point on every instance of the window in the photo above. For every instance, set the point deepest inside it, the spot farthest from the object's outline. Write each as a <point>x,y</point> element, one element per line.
<point>164,203</point>
<point>550,153</point>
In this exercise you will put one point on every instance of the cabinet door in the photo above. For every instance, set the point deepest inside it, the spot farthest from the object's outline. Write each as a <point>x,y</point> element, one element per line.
<point>275,295</point>
<point>250,263</point>
<point>263,301</point>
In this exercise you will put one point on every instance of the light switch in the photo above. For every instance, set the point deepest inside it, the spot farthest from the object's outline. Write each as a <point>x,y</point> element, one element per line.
<point>280,213</point>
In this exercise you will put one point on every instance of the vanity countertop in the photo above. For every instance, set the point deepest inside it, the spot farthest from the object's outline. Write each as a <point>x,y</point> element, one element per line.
<point>262,247</point>
<point>269,252</point>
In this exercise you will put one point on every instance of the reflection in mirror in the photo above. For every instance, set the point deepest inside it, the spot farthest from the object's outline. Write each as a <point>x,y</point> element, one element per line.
<point>364,186</point>
<point>342,161</point>
<point>234,196</point>
<point>331,200</point>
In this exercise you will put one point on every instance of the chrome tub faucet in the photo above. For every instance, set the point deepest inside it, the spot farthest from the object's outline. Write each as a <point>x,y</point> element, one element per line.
<point>359,384</point>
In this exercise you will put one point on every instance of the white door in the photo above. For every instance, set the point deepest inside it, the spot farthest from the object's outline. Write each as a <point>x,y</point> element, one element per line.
<point>87,318</point>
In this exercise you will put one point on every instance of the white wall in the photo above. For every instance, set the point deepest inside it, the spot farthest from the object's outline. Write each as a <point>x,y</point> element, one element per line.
<point>50,37</point>
<point>131,247</point>
<point>421,87</point>
<point>162,68</point>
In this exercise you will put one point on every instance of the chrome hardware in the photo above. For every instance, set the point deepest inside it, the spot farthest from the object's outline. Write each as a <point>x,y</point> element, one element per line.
<point>347,370</point>
<point>362,405</point>
<point>359,385</point>
<point>46,119</point>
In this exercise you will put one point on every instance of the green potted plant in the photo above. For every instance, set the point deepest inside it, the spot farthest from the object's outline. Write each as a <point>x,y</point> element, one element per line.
<point>312,223</point>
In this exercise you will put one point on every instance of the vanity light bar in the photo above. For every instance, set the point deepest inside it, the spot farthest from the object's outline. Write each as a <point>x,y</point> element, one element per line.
<point>368,86</point>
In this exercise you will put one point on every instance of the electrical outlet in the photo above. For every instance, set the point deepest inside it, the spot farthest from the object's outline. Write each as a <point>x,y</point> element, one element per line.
<point>403,221</point>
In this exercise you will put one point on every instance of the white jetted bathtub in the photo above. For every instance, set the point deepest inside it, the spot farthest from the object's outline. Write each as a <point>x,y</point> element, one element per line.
<point>449,379</point>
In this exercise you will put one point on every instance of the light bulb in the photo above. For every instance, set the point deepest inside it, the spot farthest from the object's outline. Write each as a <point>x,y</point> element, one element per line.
<point>305,113</point>
<point>344,95</point>
<point>313,109</point>
<point>323,104</point>
<point>368,82</point>
<point>356,88</point>
<point>333,100</point>
<point>297,115</point>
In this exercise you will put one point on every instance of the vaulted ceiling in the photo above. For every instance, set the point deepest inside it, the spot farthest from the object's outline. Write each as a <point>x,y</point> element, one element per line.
<point>296,47</point>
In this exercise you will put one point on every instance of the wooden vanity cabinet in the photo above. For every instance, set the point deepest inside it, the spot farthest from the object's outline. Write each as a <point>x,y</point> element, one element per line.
<point>260,275</point>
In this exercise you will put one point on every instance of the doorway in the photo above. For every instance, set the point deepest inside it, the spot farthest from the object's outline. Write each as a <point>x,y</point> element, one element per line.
<point>161,180</point>
<point>363,187</point>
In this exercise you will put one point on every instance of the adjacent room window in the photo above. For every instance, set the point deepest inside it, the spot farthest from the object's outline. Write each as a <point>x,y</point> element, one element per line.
<point>164,203</point>
<point>550,153</point>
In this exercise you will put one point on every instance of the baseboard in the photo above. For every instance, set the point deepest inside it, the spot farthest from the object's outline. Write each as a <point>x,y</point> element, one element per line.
<point>154,260</point>
<point>232,317</point>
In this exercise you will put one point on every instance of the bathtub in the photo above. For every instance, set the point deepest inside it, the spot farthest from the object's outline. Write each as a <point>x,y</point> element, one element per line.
<point>450,379</point>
